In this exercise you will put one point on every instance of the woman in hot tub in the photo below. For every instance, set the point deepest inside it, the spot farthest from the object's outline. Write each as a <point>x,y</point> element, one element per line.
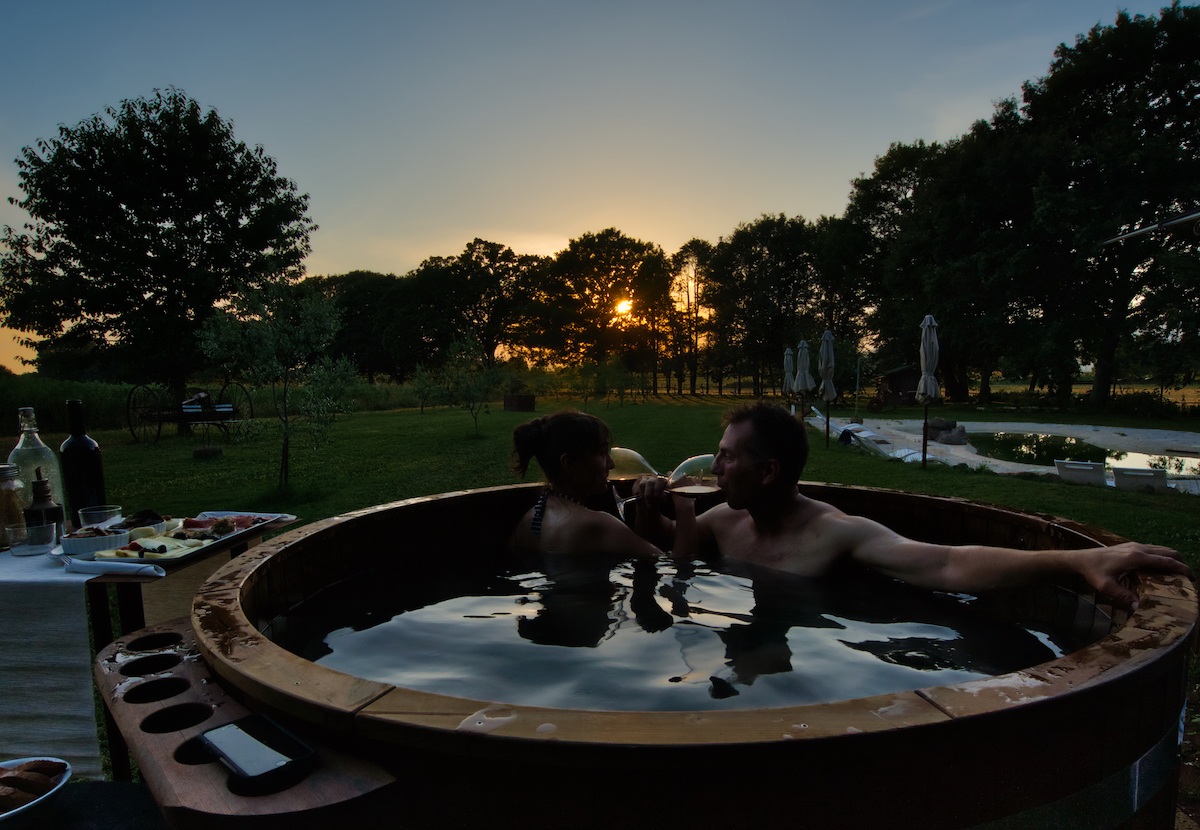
<point>572,449</point>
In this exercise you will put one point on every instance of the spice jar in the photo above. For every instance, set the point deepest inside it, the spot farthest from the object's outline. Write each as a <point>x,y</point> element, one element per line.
<point>44,510</point>
<point>12,501</point>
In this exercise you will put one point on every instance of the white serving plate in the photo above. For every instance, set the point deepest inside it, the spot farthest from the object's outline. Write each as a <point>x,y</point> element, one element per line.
<point>266,517</point>
<point>208,514</point>
<point>42,801</point>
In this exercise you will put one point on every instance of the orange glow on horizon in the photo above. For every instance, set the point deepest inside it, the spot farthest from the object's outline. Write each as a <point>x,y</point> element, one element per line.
<point>11,352</point>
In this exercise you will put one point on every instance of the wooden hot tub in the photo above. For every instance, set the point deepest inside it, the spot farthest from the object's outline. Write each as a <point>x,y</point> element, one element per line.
<point>1087,740</point>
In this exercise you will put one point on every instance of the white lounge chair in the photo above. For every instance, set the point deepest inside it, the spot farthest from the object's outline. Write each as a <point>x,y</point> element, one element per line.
<point>1081,472</point>
<point>1138,478</point>
<point>870,440</point>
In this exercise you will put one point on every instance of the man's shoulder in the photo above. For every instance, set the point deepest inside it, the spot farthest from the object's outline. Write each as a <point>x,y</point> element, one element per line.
<point>721,515</point>
<point>812,518</point>
<point>809,509</point>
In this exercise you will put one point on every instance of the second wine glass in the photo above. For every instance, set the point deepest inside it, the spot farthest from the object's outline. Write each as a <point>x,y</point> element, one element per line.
<point>694,476</point>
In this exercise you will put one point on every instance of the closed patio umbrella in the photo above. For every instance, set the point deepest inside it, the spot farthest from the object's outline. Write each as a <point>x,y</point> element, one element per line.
<point>825,368</point>
<point>788,378</point>
<point>804,382</point>
<point>927,386</point>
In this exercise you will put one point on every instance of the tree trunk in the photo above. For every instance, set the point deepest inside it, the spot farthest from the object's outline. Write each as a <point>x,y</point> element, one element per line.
<point>177,390</point>
<point>985,384</point>
<point>284,463</point>
<point>1104,370</point>
<point>1064,376</point>
<point>955,380</point>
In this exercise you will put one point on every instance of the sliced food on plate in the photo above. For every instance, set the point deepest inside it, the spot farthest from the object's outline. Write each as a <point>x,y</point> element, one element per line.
<point>183,536</point>
<point>152,547</point>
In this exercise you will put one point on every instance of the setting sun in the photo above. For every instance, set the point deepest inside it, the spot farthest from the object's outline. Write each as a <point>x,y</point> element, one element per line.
<point>624,307</point>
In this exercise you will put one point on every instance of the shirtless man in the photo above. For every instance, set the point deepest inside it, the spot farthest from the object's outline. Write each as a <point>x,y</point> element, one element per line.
<point>766,521</point>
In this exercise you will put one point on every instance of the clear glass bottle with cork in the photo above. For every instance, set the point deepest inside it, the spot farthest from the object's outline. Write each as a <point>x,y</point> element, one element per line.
<point>30,453</point>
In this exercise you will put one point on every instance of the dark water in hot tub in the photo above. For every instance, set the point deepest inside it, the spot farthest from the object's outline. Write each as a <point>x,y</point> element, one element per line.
<point>655,636</point>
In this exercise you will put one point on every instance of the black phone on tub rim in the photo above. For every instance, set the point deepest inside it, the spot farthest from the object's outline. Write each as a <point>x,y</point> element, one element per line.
<point>259,752</point>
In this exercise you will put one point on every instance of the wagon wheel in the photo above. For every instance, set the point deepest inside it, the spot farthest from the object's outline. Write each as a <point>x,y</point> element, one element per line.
<point>243,408</point>
<point>143,413</point>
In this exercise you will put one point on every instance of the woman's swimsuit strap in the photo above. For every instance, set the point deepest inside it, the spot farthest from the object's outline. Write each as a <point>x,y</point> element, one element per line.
<point>535,525</point>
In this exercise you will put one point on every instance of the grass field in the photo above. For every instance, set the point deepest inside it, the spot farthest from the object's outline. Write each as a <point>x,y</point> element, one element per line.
<point>378,457</point>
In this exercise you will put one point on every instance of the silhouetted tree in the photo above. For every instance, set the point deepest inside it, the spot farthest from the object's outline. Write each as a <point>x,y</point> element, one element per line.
<point>1116,120</point>
<point>763,282</point>
<point>279,337</point>
<point>143,219</point>
<point>579,303</point>
<point>689,292</point>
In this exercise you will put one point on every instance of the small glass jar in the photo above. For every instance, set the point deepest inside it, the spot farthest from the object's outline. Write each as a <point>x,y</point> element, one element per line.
<point>12,501</point>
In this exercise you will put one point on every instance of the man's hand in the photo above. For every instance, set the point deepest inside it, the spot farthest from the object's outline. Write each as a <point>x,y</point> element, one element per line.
<point>650,492</point>
<point>1104,567</point>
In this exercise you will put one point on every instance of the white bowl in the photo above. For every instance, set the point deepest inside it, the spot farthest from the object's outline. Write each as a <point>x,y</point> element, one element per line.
<point>88,544</point>
<point>21,815</point>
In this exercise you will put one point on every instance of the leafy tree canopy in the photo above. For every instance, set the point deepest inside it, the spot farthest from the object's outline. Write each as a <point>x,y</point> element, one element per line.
<point>490,288</point>
<point>143,219</point>
<point>279,336</point>
<point>1116,120</point>
<point>596,288</point>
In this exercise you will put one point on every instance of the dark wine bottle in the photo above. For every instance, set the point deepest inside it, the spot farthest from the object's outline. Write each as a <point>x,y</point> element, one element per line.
<point>82,466</point>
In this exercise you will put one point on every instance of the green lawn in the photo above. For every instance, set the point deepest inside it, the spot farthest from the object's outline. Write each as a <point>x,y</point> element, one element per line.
<point>377,457</point>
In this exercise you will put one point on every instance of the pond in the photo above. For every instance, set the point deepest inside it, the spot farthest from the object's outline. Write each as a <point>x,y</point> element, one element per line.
<point>1042,449</point>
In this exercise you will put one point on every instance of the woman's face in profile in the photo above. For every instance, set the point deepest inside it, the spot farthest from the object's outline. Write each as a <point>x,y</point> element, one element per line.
<point>590,472</point>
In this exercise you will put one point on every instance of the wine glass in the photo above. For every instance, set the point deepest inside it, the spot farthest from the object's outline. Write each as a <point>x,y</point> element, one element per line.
<point>627,464</point>
<point>694,477</point>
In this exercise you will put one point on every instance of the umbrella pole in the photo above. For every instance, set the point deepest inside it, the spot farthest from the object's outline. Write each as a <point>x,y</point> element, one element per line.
<point>828,404</point>
<point>925,438</point>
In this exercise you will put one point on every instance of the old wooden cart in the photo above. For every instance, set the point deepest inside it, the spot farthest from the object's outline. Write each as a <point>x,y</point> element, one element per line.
<point>148,407</point>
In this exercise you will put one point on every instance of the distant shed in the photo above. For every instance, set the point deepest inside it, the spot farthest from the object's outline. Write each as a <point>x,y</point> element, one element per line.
<point>899,386</point>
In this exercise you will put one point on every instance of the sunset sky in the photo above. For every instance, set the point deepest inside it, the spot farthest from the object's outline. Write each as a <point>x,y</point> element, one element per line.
<point>416,127</point>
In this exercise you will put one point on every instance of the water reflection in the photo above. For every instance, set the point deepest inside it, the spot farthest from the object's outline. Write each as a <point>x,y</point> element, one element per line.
<point>1042,450</point>
<point>587,634</point>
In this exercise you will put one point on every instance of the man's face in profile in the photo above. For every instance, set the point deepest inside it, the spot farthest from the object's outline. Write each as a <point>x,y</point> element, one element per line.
<point>739,473</point>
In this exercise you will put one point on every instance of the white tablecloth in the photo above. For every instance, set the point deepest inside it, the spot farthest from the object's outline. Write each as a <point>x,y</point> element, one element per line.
<point>46,705</point>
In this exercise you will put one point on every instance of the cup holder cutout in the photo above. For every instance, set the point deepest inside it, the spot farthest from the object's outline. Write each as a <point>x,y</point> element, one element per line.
<point>176,718</point>
<point>150,665</point>
<point>193,753</point>
<point>153,691</point>
<point>153,642</point>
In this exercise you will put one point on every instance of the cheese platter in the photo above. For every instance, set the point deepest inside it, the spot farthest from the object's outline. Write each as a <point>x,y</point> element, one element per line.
<point>180,538</point>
